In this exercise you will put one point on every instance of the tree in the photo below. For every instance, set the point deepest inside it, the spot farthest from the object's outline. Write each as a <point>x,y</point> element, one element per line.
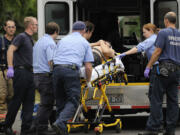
<point>17,10</point>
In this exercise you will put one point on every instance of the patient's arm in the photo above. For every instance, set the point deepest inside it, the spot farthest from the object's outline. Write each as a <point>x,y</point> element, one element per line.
<point>96,43</point>
<point>88,70</point>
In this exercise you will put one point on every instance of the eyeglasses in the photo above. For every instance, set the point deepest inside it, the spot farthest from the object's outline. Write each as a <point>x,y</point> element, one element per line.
<point>11,27</point>
<point>35,24</point>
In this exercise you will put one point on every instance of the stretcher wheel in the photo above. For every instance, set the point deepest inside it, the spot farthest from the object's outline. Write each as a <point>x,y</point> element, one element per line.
<point>86,128</point>
<point>99,129</point>
<point>118,127</point>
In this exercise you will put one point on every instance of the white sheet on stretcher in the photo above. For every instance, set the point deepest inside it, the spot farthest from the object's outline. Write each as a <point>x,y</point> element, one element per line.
<point>98,70</point>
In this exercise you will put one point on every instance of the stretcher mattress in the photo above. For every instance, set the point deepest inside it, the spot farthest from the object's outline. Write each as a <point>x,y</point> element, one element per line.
<point>103,69</point>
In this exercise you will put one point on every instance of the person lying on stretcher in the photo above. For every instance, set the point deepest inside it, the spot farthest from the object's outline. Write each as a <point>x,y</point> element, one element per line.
<point>102,50</point>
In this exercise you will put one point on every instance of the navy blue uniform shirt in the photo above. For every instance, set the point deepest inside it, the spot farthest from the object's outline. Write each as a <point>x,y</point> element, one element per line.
<point>6,43</point>
<point>23,55</point>
<point>168,40</point>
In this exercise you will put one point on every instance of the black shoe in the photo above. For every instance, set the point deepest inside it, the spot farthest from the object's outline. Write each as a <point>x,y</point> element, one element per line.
<point>46,132</point>
<point>148,133</point>
<point>9,131</point>
<point>169,133</point>
<point>59,130</point>
<point>2,125</point>
<point>28,132</point>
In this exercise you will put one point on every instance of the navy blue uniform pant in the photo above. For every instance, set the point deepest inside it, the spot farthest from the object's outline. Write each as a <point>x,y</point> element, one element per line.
<point>43,83</point>
<point>67,88</point>
<point>160,86</point>
<point>23,95</point>
<point>153,74</point>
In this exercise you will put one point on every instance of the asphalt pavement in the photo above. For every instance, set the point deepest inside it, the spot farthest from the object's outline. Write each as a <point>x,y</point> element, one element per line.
<point>131,125</point>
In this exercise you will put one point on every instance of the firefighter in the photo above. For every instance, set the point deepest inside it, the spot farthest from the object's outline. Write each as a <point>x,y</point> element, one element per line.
<point>6,90</point>
<point>19,58</point>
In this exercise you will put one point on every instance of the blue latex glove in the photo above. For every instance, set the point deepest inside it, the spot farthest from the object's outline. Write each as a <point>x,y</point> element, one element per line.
<point>146,72</point>
<point>122,55</point>
<point>10,72</point>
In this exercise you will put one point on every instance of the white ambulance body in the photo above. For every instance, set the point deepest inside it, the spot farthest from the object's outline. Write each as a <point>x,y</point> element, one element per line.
<point>119,22</point>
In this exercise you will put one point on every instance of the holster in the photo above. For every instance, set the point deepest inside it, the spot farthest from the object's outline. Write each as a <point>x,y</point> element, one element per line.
<point>166,68</point>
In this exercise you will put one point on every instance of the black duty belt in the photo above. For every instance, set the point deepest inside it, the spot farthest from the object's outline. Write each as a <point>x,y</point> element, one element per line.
<point>170,65</point>
<point>73,66</point>
<point>43,74</point>
<point>155,65</point>
<point>24,67</point>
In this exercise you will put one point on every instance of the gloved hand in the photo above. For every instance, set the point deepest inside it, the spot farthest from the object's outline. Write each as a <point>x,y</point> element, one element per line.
<point>89,85</point>
<point>10,72</point>
<point>122,55</point>
<point>146,72</point>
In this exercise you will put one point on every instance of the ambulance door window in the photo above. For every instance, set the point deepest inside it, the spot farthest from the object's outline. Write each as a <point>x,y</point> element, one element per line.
<point>161,8</point>
<point>129,28</point>
<point>59,13</point>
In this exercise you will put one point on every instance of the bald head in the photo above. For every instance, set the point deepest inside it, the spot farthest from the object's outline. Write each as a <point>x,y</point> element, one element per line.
<point>171,17</point>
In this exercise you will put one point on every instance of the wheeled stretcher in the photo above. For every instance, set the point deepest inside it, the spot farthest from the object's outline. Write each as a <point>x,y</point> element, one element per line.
<point>102,75</point>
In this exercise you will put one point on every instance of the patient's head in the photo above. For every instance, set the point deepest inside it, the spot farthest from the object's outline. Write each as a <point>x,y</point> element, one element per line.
<point>108,44</point>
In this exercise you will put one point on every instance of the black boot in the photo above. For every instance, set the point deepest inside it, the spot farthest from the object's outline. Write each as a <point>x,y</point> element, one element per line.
<point>169,133</point>
<point>45,132</point>
<point>9,131</point>
<point>148,132</point>
<point>59,130</point>
<point>1,127</point>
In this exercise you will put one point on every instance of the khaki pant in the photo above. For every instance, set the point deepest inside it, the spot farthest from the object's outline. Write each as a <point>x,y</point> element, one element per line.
<point>6,93</point>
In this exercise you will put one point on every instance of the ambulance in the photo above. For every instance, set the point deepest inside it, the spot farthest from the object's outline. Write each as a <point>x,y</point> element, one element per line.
<point>119,22</point>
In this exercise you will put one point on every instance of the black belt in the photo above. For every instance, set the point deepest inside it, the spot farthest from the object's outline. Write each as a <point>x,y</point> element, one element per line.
<point>170,65</point>
<point>73,66</point>
<point>24,67</point>
<point>43,74</point>
<point>155,65</point>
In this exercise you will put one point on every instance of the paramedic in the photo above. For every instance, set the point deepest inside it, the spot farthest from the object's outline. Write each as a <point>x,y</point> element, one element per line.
<point>42,58</point>
<point>102,50</point>
<point>71,52</point>
<point>19,58</point>
<point>166,81</point>
<point>149,32</point>
<point>6,89</point>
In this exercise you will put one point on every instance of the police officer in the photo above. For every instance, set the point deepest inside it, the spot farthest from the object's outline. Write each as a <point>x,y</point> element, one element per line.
<point>19,58</point>
<point>42,58</point>
<point>71,52</point>
<point>166,81</point>
<point>6,90</point>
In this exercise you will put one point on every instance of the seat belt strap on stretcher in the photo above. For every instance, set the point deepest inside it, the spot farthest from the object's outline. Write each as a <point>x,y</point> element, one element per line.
<point>101,54</point>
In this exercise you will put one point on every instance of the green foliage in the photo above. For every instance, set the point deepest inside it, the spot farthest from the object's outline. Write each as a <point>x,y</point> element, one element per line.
<point>17,10</point>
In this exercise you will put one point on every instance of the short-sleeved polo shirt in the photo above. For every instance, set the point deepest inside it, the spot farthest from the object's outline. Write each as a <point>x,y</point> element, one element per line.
<point>73,49</point>
<point>43,53</point>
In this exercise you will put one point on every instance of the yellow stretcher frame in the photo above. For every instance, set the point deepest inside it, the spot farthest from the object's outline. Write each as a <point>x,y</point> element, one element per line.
<point>99,85</point>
